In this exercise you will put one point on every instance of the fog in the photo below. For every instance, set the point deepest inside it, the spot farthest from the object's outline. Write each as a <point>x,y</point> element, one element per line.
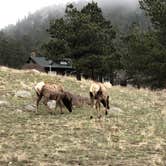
<point>129,3</point>
<point>115,3</point>
<point>19,9</point>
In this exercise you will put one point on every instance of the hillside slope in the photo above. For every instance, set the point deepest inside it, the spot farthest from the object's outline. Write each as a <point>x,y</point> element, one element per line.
<point>133,133</point>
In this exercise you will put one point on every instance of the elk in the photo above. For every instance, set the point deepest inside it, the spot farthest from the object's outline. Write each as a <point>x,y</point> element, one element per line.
<point>53,92</point>
<point>98,94</point>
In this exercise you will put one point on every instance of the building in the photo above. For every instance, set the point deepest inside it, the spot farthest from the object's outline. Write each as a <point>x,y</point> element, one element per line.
<point>41,63</point>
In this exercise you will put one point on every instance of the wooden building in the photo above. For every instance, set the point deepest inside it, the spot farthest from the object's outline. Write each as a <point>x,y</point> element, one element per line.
<point>41,63</point>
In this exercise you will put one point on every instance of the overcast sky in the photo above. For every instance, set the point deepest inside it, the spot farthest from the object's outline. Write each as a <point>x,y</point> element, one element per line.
<point>13,10</point>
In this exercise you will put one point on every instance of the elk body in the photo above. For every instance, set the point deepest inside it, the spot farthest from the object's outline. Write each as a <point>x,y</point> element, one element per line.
<point>98,94</point>
<point>53,92</point>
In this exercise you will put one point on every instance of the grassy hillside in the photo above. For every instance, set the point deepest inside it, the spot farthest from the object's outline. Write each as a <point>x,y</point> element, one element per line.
<point>133,133</point>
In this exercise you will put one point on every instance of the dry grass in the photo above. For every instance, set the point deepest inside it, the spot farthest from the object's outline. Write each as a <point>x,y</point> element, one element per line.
<point>133,136</point>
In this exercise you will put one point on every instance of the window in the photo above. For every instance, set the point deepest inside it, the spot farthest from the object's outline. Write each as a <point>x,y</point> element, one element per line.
<point>63,63</point>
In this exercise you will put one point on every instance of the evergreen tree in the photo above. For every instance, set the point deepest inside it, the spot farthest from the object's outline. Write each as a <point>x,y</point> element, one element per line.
<point>85,36</point>
<point>144,60</point>
<point>12,53</point>
<point>156,9</point>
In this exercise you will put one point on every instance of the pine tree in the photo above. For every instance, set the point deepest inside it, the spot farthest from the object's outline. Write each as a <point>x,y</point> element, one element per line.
<point>156,9</point>
<point>85,36</point>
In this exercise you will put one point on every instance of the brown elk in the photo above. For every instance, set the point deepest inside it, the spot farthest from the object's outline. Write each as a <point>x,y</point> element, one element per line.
<point>53,92</point>
<point>98,94</point>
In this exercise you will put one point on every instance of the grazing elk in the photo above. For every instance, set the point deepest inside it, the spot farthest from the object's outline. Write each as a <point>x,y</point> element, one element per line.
<point>98,93</point>
<point>53,92</point>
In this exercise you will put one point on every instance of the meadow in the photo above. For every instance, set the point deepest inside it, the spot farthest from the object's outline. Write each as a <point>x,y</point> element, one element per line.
<point>132,134</point>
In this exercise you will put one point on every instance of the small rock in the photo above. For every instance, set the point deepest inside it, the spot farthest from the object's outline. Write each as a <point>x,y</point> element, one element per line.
<point>115,110</point>
<point>4,103</point>
<point>19,111</point>
<point>10,163</point>
<point>23,94</point>
<point>8,94</point>
<point>30,108</point>
<point>51,104</point>
<point>3,96</point>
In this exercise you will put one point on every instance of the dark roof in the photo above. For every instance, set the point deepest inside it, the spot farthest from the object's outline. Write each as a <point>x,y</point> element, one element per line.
<point>42,61</point>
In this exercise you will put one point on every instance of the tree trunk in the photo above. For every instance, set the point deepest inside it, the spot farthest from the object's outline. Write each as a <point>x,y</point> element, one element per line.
<point>100,78</point>
<point>112,78</point>
<point>92,74</point>
<point>78,76</point>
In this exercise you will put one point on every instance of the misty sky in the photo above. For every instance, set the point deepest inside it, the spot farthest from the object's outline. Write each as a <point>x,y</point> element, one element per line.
<point>13,10</point>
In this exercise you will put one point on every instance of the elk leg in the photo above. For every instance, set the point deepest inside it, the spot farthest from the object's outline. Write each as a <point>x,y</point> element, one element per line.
<point>98,107</point>
<point>59,102</point>
<point>92,99</point>
<point>105,104</point>
<point>37,102</point>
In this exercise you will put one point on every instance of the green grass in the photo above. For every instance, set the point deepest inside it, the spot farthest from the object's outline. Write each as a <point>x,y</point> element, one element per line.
<point>136,136</point>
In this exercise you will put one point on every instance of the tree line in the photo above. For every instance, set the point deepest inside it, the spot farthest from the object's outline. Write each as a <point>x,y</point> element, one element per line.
<point>98,48</point>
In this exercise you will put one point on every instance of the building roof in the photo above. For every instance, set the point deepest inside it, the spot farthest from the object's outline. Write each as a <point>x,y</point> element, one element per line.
<point>42,61</point>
